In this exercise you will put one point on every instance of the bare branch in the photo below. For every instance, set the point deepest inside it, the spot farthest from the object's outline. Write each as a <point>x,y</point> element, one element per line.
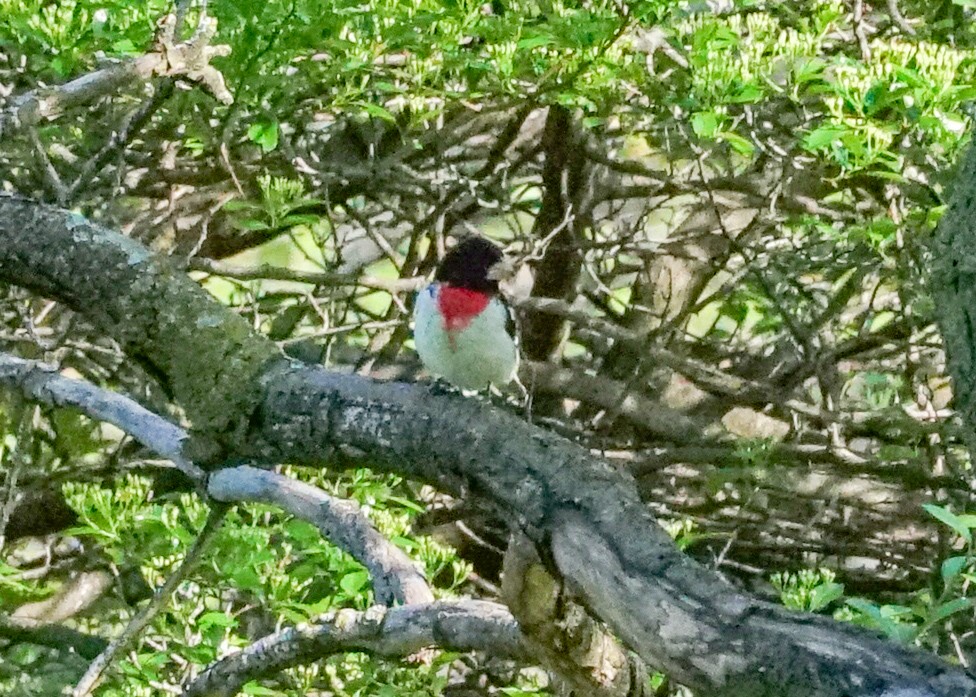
<point>395,576</point>
<point>54,636</point>
<point>75,596</point>
<point>42,383</point>
<point>118,140</point>
<point>899,19</point>
<point>246,400</point>
<point>342,522</point>
<point>559,629</point>
<point>460,625</point>
<point>323,278</point>
<point>190,59</point>
<point>657,418</point>
<point>860,30</point>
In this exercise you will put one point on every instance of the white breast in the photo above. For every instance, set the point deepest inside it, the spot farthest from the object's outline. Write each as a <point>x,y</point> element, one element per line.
<point>471,358</point>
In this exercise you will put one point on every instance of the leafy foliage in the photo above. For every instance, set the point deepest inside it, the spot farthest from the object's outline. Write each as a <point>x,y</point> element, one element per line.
<point>750,189</point>
<point>264,569</point>
<point>807,590</point>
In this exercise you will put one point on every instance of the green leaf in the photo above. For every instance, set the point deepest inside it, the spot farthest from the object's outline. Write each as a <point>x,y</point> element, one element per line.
<point>237,204</point>
<point>353,582</point>
<point>883,619</point>
<point>304,533</point>
<point>952,566</point>
<point>405,542</point>
<point>531,42</point>
<point>747,94</point>
<point>704,124</point>
<point>824,594</point>
<point>216,619</point>
<point>264,134</point>
<point>125,47</point>
<point>378,111</point>
<point>300,219</point>
<point>61,66</point>
<point>738,143</point>
<point>967,519</point>
<point>950,608</point>
<point>252,224</point>
<point>823,136</point>
<point>406,503</point>
<point>809,69</point>
<point>247,579</point>
<point>946,516</point>
<point>909,77</point>
<point>889,176</point>
<point>865,607</point>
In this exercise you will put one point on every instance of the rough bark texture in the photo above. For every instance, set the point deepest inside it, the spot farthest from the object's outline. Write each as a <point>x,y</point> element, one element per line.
<point>557,272</point>
<point>207,359</point>
<point>583,514</point>
<point>459,625</point>
<point>953,280</point>
<point>563,633</point>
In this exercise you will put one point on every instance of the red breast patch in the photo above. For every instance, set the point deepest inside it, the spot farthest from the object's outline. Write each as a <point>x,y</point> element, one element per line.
<point>459,306</point>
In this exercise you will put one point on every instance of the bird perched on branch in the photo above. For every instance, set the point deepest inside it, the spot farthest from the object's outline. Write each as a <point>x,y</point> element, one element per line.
<point>464,331</point>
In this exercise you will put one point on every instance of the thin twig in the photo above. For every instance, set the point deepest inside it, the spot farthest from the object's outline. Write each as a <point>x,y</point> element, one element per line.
<point>182,7</point>
<point>318,278</point>
<point>899,19</point>
<point>862,38</point>
<point>120,138</point>
<point>93,675</point>
<point>51,176</point>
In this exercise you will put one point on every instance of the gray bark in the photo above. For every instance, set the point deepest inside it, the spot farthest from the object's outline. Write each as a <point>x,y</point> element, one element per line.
<point>585,516</point>
<point>953,282</point>
<point>396,580</point>
<point>458,625</point>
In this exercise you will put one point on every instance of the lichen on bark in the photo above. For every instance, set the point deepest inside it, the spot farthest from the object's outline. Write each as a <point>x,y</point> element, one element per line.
<point>210,365</point>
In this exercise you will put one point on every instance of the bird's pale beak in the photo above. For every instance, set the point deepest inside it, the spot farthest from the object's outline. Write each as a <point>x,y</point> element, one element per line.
<point>502,270</point>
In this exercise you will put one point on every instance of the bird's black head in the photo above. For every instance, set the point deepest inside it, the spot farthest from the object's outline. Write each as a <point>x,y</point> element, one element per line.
<point>468,264</point>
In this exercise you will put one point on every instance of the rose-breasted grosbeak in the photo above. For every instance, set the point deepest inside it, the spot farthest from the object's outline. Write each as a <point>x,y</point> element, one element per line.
<point>463,329</point>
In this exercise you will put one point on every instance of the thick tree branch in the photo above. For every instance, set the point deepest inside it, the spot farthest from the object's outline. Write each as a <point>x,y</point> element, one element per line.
<point>460,625</point>
<point>85,261</point>
<point>656,418</point>
<point>53,636</point>
<point>563,177</point>
<point>395,577</point>
<point>584,515</point>
<point>557,628</point>
<point>72,598</point>
<point>954,288</point>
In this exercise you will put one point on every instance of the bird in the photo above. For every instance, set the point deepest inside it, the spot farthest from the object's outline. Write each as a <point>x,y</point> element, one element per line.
<point>464,331</point>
